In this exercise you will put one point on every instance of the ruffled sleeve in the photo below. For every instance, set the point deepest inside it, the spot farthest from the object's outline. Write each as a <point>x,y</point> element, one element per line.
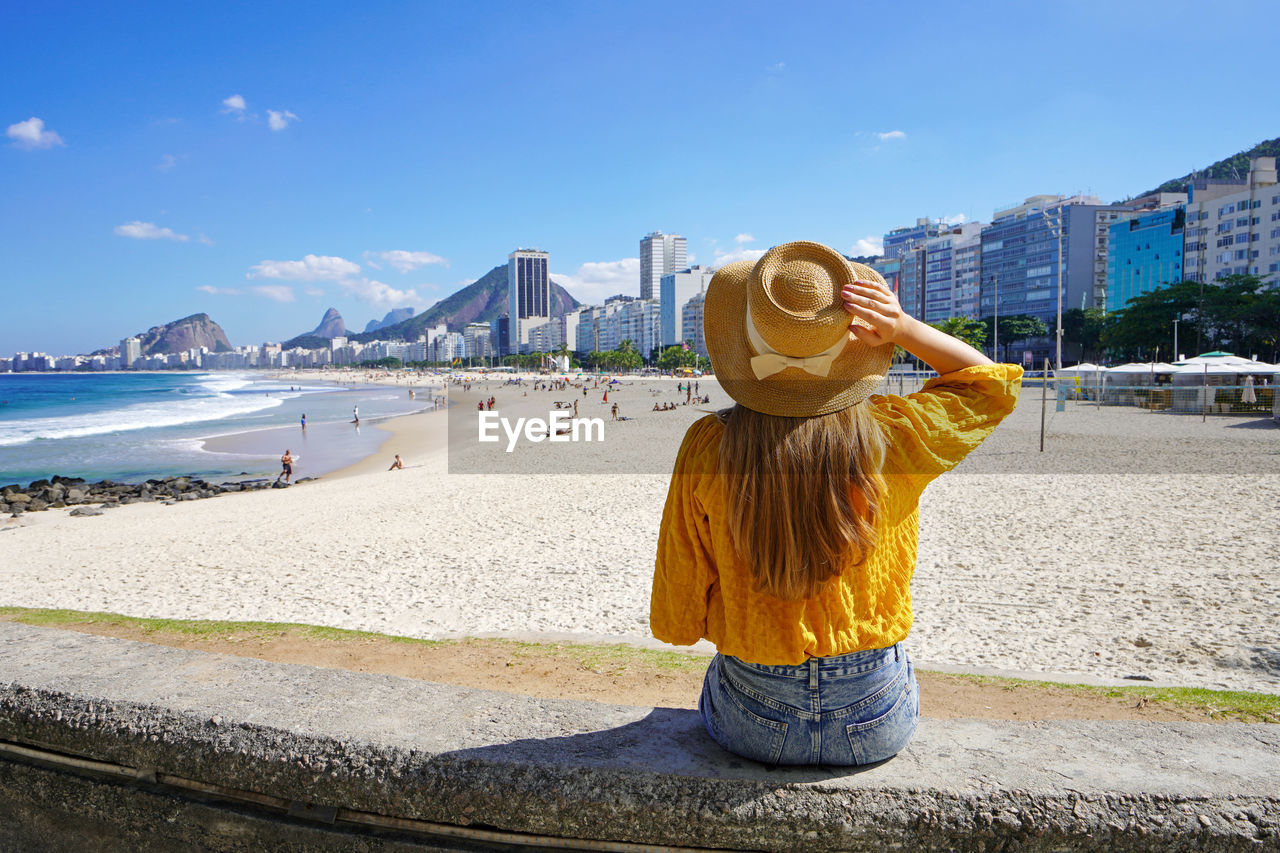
<point>930,431</point>
<point>684,571</point>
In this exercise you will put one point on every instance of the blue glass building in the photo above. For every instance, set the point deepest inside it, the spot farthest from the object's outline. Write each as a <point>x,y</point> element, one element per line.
<point>1144,254</point>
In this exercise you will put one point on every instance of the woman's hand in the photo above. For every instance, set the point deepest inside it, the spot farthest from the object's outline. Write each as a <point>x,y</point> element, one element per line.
<point>878,306</point>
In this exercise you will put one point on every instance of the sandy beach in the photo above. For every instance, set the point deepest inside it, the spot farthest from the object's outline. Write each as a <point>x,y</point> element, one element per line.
<point>1138,544</point>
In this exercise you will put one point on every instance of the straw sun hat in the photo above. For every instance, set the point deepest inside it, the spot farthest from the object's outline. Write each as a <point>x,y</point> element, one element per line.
<point>778,334</point>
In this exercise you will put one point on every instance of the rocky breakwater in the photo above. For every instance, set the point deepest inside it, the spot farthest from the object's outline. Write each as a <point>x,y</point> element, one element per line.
<point>91,498</point>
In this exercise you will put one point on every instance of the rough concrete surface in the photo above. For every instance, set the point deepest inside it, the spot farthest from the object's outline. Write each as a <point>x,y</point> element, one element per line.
<point>452,755</point>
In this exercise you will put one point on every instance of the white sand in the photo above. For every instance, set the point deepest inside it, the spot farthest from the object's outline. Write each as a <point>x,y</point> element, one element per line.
<point>1139,544</point>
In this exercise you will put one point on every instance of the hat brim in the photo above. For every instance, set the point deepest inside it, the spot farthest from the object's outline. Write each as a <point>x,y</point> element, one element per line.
<point>792,392</point>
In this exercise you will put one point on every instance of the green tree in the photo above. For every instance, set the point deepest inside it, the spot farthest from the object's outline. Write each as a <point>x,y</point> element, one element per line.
<point>1014,328</point>
<point>1084,327</point>
<point>972,332</point>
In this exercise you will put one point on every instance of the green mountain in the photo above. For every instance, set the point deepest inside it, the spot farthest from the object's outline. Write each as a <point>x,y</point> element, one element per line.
<point>478,302</point>
<point>1235,166</point>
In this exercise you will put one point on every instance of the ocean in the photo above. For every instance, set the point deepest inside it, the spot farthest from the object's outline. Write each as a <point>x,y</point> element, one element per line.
<point>131,427</point>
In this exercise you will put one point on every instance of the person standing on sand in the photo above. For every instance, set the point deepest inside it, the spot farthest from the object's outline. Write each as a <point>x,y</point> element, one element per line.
<point>286,467</point>
<point>789,534</point>
<point>304,420</point>
<point>615,411</point>
<point>355,415</point>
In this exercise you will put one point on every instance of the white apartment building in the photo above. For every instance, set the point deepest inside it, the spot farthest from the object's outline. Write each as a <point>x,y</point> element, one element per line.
<point>660,254</point>
<point>942,272</point>
<point>691,318</point>
<point>678,288</point>
<point>130,352</point>
<point>1234,230</point>
<point>478,341</point>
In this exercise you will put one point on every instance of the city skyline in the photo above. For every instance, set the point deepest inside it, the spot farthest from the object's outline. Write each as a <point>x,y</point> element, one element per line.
<point>227,170</point>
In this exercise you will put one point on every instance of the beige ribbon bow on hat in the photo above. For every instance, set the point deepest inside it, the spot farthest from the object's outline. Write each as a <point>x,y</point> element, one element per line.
<point>770,361</point>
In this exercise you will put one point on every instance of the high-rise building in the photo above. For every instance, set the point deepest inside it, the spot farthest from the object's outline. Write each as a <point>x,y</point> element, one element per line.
<point>1144,254</point>
<point>1234,229</point>
<point>659,254</point>
<point>943,270</point>
<point>900,239</point>
<point>691,313</point>
<point>528,294</point>
<point>130,352</point>
<point>677,289</point>
<point>1025,250</point>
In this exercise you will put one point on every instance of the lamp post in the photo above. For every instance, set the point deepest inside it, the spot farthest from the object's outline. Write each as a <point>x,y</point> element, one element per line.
<point>1055,228</point>
<point>1175,337</point>
<point>995,316</point>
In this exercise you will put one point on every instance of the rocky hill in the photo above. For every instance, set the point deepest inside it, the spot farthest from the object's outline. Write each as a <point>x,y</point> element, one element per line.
<point>478,302</point>
<point>331,325</point>
<point>192,332</point>
<point>1235,166</point>
<point>397,315</point>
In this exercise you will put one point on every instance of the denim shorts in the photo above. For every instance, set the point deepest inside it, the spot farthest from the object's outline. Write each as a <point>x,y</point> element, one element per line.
<point>851,709</point>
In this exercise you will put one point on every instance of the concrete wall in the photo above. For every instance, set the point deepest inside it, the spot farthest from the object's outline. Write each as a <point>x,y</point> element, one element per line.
<point>199,751</point>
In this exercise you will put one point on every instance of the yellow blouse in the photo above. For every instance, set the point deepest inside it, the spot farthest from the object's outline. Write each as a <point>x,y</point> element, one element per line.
<point>701,588</point>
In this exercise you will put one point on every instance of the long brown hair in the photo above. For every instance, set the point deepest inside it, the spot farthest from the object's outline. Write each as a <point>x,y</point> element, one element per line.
<point>802,494</point>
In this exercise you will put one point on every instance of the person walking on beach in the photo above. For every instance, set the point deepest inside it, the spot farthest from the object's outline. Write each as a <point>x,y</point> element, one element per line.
<point>286,467</point>
<point>789,534</point>
<point>615,411</point>
<point>355,415</point>
<point>304,420</point>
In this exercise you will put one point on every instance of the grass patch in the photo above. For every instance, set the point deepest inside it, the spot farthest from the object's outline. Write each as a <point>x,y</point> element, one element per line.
<point>1228,704</point>
<point>198,628</point>
<point>618,658</point>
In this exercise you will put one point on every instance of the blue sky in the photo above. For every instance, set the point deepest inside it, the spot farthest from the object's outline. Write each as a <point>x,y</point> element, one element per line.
<point>263,162</point>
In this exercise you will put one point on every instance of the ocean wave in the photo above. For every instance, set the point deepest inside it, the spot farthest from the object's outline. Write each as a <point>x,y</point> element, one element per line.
<point>139,416</point>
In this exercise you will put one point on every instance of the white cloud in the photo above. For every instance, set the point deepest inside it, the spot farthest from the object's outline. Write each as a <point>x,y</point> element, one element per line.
<point>402,260</point>
<point>149,231</point>
<point>279,119</point>
<point>954,219</point>
<point>31,134</point>
<point>167,162</point>
<point>234,104</point>
<point>891,134</point>
<point>314,291</point>
<point>739,254</point>
<point>276,292</point>
<point>744,238</point>
<point>203,240</point>
<point>376,293</point>
<point>219,291</point>
<point>775,67</point>
<point>596,281</point>
<point>310,268</point>
<point>871,245</point>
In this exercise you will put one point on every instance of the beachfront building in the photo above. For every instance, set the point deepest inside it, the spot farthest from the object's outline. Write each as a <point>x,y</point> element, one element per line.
<point>691,318</point>
<point>660,254</point>
<point>946,275</point>
<point>1144,253</point>
<point>1234,229</point>
<point>677,289</point>
<point>130,352</point>
<point>899,240</point>
<point>528,294</point>
<point>1023,261</point>
<point>888,269</point>
<point>478,340</point>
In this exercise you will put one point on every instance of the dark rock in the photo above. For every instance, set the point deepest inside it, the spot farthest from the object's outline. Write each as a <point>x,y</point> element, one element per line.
<point>75,495</point>
<point>57,505</point>
<point>39,484</point>
<point>17,509</point>
<point>181,483</point>
<point>85,510</point>
<point>279,485</point>
<point>231,487</point>
<point>188,496</point>
<point>37,505</point>
<point>19,498</point>
<point>10,489</point>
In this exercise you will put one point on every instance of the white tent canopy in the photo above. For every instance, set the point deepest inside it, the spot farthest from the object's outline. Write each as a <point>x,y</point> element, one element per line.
<point>1141,367</point>
<point>1079,369</point>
